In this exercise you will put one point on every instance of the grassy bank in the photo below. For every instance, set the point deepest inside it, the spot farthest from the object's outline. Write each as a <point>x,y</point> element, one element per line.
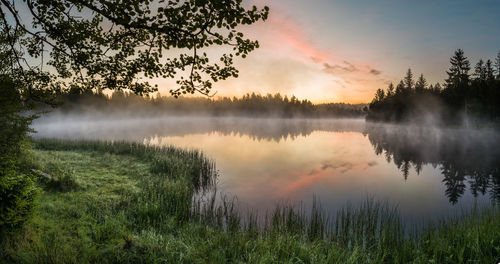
<point>127,203</point>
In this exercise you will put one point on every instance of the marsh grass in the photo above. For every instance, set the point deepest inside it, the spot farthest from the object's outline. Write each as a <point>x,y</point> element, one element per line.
<point>60,179</point>
<point>143,204</point>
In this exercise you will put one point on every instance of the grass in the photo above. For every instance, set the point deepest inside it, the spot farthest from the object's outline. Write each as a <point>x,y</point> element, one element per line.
<point>130,203</point>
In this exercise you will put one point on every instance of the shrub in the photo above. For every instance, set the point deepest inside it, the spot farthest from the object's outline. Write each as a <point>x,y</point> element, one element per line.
<point>17,189</point>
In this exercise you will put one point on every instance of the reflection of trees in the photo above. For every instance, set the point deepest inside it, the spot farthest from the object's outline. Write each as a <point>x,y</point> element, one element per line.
<point>106,127</point>
<point>464,157</point>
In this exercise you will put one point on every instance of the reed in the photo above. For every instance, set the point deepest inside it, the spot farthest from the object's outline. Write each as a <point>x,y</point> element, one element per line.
<point>137,203</point>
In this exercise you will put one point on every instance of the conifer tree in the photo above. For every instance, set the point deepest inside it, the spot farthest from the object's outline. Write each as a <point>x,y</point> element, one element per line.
<point>490,72</point>
<point>400,88</point>
<point>458,74</point>
<point>390,89</point>
<point>480,70</point>
<point>497,65</point>
<point>379,95</point>
<point>408,81</point>
<point>421,84</point>
<point>457,83</point>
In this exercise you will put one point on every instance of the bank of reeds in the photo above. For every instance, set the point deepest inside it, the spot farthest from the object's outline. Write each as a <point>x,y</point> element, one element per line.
<point>159,204</point>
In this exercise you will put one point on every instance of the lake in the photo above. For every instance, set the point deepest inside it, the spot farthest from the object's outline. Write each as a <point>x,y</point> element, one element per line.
<point>428,173</point>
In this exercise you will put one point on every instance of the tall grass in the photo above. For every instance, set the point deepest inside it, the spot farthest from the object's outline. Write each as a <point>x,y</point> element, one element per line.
<point>170,211</point>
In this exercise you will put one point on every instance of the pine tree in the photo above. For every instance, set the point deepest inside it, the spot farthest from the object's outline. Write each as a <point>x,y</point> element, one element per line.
<point>458,74</point>
<point>390,89</point>
<point>457,85</point>
<point>421,84</point>
<point>379,95</point>
<point>497,65</point>
<point>480,70</point>
<point>400,88</point>
<point>490,72</point>
<point>408,81</point>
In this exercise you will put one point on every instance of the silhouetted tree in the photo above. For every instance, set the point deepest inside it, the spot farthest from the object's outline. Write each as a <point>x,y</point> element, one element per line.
<point>408,81</point>
<point>248,105</point>
<point>457,83</point>
<point>497,65</point>
<point>490,72</point>
<point>477,98</point>
<point>379,95</point>
<point>390,89</point>
<point>400,88</point>
<point>458,74</point>
<point>480,70</point>
<point>421,84</point>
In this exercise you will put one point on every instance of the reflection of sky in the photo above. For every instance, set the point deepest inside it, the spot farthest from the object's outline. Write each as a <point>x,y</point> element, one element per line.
<point>264,161</point>
<point>336,167</point>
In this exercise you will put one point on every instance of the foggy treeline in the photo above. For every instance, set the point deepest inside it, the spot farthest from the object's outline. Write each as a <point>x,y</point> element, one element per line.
<point>253,105</point>
<point>70,127</point>
<point>463,99</point>
<point>464,157</point>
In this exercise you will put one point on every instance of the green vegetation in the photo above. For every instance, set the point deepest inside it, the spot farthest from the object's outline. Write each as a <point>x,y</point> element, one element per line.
<point>17,189</point>
<point>129,203</point>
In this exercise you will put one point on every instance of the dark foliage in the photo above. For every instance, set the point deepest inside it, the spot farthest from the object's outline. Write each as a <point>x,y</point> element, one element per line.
<point>249,105</point>
<point>465,98</point>
<point>17,191</point>
<point>98,44</point>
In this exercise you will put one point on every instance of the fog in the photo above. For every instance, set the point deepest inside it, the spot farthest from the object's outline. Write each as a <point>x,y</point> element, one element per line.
<point>460,159</point>
<point>117,126</point>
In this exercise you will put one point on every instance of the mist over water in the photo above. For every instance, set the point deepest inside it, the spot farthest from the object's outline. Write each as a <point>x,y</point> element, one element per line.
<point>428,172</point>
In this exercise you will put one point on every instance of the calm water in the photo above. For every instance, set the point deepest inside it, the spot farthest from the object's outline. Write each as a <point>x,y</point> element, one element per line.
<point>427,172</point>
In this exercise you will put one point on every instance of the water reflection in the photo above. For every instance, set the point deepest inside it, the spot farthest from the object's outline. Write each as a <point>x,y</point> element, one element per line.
<point>463,157</point>
<point>109,128</point>
<point>264,161</point>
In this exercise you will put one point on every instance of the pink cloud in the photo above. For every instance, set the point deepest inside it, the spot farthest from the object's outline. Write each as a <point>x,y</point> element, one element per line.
<point>290,33</point>
<point>314,176</point>
<point>287,33</point>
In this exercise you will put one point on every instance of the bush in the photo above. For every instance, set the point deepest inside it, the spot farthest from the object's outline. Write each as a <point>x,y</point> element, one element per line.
<point>17,189</point>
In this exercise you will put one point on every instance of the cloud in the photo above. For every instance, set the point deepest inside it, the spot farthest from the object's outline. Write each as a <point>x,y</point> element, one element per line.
<point>293,60</point>
<point>344,67</point>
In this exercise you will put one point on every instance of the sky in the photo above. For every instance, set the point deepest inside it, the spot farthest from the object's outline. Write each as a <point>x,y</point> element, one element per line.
<point>342,51</point>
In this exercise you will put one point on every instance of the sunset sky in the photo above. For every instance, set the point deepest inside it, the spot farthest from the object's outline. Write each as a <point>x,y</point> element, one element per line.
<point>329,50</point>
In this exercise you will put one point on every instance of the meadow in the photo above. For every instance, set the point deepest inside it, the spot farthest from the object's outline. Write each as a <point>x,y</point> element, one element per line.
<point>130,203</point>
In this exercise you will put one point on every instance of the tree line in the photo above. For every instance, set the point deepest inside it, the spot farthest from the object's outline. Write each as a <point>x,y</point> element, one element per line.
<point>250,104</point>
<point>464,98</point>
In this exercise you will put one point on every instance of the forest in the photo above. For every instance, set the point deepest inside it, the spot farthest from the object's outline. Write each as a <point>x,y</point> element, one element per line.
<point>466,98</point>
<point>253,105</point>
